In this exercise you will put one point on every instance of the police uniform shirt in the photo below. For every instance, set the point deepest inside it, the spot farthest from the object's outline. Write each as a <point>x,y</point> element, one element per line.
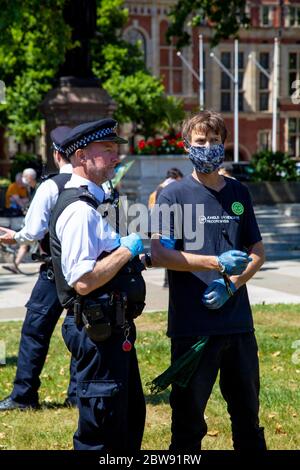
<point>227,223</point>
<point>38,215</point>
<point>84,234</point>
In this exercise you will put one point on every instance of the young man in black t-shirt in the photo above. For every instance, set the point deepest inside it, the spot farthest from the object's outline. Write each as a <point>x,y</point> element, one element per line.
<point>215,216</point>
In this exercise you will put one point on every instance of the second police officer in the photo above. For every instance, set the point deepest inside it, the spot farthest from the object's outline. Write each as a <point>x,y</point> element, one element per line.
<point>43,307</point>
<point>98,276</point>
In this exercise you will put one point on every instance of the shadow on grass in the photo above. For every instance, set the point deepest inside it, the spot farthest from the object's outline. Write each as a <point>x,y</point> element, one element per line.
<point>11,361</point>
<point>160,398</point>
<point>54,406</point>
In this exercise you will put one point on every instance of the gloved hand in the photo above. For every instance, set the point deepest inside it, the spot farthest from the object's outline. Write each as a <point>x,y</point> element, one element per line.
<point>168,243</point>
<point>133,243</point>
<point>234,262</point>
<point>216,294</point>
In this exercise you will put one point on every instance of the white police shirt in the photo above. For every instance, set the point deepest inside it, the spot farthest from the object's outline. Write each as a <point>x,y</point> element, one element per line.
<point>38,215</point>
<point>83,233</point>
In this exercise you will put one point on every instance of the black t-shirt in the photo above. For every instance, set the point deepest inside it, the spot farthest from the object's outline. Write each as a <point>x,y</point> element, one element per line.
<point>223,220</point>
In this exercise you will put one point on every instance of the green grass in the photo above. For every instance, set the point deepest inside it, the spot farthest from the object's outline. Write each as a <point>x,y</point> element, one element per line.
<point>52,427</point>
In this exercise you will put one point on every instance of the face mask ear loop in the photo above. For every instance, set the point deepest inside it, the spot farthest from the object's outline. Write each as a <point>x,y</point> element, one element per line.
<point>186,143</point>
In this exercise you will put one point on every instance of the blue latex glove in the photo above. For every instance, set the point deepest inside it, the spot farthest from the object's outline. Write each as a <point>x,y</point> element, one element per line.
<point>234,261</point>
<point>216,294</point>
<point>168,243</point>
<point>133,243</point>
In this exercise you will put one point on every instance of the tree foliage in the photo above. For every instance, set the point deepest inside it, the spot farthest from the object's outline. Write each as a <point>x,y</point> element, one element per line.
<point>34,39</point>
<point>34,42</point>
<point>226,17</point>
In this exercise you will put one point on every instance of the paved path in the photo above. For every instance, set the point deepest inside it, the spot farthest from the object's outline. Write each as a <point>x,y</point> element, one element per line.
<point>277,282</point>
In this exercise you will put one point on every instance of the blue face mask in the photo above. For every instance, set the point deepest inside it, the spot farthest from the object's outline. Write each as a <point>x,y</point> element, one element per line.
<point>206,159</point>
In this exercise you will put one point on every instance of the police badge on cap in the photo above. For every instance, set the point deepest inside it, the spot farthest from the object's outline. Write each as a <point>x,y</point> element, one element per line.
<point>80,136</point>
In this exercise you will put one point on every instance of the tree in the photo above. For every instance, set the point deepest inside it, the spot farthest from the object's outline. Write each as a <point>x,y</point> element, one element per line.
<point>226,17</point>
<point>34,41</point>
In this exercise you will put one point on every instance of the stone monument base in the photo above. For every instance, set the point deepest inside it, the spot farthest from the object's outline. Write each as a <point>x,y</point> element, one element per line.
<point>74,101</point>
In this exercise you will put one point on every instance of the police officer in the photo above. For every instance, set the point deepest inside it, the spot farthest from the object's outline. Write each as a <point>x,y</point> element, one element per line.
<point>43,307</point>
<point>98,276</point>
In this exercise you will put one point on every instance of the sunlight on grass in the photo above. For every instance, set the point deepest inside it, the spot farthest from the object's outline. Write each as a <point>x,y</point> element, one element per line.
<point>52,427</point>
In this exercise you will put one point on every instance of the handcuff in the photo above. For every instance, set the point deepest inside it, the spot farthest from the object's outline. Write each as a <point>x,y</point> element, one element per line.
<point>225,277</point>
<point>227,284</point>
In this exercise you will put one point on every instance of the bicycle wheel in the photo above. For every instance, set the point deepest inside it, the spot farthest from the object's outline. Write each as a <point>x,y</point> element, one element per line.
<point>27,266</point>
<point>7,257</point>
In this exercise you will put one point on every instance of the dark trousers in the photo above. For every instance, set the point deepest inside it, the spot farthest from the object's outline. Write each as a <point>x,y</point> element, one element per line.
<point>109,392</point>
<point>235,356</point>
<point>43,312</point>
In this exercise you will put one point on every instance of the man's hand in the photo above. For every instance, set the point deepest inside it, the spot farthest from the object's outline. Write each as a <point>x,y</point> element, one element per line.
<point>133,243</point>
<point>7,237</point>
<point>216,294</point>
<point>234,262</point>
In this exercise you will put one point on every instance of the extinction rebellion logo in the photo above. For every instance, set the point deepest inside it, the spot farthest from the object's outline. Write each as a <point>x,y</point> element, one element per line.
<point>237,208</point>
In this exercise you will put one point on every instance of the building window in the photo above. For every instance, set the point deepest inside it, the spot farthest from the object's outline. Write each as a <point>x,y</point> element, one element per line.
<point>136,37</point>
<point>294,137</point>
<point>264,140</point>
<point>294,70</point>
<point>170,63</point>
<point>292,17</point>
<point>227,85</point>
<point>264,60</point>
<point>266,16</point>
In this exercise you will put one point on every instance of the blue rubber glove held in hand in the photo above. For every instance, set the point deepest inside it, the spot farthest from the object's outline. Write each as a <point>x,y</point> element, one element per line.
<point>133,243</point>
<point>216,294</point>
<point>234,261</point>
<point>168,243</point>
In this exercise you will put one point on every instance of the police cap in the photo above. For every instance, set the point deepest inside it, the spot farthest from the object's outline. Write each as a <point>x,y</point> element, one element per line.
<point>58,135</point>
<point>104,130</point>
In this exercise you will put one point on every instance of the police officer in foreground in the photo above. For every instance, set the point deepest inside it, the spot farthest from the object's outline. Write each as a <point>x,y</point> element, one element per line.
<point>43,307</point>
<point>98,277</point>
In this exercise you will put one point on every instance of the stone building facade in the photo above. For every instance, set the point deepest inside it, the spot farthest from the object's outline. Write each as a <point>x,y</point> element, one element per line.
<point>269,18</point>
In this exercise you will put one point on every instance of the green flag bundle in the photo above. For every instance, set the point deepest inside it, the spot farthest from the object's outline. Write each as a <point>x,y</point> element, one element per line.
<point>181,371</point>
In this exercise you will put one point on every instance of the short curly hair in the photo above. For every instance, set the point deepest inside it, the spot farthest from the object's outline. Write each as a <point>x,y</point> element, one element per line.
<point>204,121</point>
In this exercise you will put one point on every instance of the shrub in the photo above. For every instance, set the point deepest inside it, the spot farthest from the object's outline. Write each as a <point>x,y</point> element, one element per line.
<point>166,145</point>
<point>4,182</point>
<point>269,166</point>
<point>25,160</point>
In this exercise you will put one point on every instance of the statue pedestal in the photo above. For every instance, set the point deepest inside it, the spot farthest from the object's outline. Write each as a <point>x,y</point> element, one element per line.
<point>71,103</point>
<point>148,171</point>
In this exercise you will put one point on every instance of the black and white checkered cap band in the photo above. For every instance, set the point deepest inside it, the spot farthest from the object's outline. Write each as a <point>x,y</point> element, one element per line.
<point>57,148</point>
<point>88,139</point>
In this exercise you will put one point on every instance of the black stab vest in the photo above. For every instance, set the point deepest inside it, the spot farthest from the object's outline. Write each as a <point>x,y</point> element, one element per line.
<point>128,279</point>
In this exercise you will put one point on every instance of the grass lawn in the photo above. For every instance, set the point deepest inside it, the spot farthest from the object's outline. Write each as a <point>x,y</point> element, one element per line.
<point>52,427</point>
